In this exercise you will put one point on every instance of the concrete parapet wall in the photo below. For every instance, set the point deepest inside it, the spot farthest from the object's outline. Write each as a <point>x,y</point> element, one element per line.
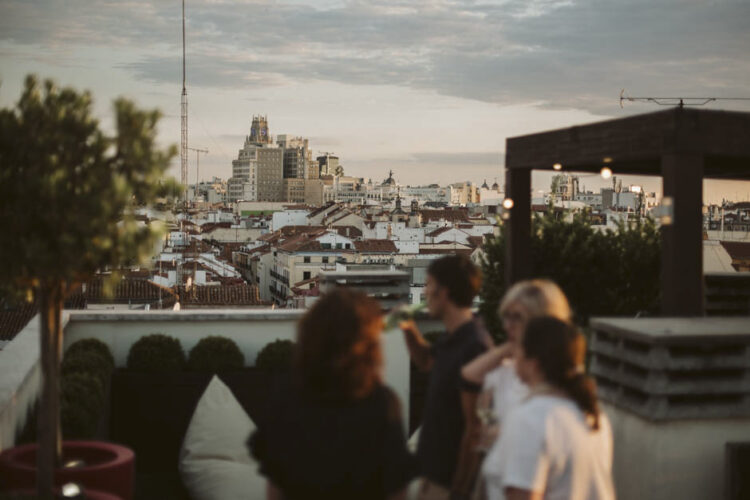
<point>682,459</point>
<point>20,373</point>
<point>251,329</point>
<point>20,381</point>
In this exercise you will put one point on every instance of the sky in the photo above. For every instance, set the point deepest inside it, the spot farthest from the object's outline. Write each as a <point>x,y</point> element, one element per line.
<point>429,89</point>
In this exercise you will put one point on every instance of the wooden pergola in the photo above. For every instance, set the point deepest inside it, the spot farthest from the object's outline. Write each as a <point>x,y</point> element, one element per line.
<point>682,145</point>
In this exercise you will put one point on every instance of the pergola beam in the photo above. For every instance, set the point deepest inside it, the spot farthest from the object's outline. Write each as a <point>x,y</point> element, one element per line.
<point>684,146</point>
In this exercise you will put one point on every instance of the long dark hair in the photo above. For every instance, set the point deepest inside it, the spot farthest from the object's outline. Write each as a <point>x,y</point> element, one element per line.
<point>338,354</point>
<point>560,350</point>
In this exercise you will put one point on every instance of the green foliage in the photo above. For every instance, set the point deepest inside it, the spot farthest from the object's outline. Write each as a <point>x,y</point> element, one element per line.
<point>156,353</point>
<point>606,273</point>
<point>68,190</point>
<point>88,362</point>
<point>276,356</point>
<point>215,354</point>
<point>91,345</point>
<point>81,405</point>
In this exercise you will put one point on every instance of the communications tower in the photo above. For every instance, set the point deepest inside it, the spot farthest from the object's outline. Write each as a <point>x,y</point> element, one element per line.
<point>184,106</point>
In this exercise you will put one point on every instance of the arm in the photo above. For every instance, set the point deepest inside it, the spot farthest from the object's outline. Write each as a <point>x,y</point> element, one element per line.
<point>482,365</point>
<point>519,494</point>
<point>468,455</point>
<point>272,492</point>
<point>419,348</point>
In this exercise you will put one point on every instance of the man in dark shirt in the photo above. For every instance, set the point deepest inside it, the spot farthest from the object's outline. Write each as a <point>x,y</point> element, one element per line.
<point>447,451</point>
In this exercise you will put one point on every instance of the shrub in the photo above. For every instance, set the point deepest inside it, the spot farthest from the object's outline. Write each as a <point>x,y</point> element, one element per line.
<point>613,273</point>
<point>215,354</point>
<point>156,353</point>
<point>276,356</point>
<point>91,345</point>
<point>88,362</point>
<point>81,405</point>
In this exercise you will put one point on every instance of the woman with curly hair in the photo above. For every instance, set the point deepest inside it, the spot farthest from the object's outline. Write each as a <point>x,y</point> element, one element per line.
<point>337,432</point>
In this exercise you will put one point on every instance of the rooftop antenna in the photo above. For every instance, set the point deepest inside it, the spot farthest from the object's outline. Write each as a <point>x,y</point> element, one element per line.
<point>677,101</point>
<point>184,106</point>
<point>198,151</point>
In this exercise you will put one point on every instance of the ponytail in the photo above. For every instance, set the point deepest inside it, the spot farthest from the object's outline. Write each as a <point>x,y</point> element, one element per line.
<point>582,390</point>
<point>559,348</point>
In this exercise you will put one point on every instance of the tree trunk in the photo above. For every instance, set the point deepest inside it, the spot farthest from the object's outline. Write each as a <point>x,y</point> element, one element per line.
<point>50,448</point>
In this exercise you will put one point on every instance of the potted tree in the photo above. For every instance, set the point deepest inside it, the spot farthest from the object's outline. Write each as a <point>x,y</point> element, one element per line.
<point>68,196</point>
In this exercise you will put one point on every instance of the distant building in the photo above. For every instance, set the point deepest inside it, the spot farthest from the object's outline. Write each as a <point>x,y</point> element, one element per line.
<point>389,286</point>
<point>270,179</point>
<point>298,162</point>
<point>257,172</point>
<point>328,164</point>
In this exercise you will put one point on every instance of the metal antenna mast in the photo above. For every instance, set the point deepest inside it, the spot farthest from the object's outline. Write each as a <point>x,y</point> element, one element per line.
<point>184,104</point>
<point>198,163</point>
<point>678,101</point>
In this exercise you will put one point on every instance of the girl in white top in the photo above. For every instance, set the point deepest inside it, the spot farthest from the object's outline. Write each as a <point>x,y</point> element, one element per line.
<point>556,444</point>
<point>502,389</point>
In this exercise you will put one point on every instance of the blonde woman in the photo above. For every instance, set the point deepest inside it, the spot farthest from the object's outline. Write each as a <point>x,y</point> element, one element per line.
<point>495,370</point>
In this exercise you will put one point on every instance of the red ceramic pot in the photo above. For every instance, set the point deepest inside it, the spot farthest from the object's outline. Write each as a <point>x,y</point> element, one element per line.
<point>90,494</point>
<point>107,467</point>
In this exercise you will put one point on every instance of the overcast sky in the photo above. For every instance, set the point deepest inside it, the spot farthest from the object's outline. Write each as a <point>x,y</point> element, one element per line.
<point>430,89</point>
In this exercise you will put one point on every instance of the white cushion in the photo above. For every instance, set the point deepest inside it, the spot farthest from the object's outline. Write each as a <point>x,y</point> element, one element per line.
<point>214,460</point>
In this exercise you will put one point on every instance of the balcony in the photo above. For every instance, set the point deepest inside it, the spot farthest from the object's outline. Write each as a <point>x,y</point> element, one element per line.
<point>649,372</point>
<point>276,293</point>
<point>20,380</point>
<point>279,277</point>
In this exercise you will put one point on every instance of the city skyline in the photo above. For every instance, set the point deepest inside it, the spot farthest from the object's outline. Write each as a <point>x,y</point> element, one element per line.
<point>428,89</point>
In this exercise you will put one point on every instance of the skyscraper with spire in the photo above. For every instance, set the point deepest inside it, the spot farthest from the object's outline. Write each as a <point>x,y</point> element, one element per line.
<point>257,173</point>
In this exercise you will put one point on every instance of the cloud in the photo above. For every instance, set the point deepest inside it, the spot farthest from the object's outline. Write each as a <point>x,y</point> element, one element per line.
<point>558,54</point>
<point>492,158</point>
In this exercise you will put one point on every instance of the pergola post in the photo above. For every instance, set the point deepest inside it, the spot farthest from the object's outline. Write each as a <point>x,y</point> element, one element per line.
<point>682,240</point>
<point>518,245</point>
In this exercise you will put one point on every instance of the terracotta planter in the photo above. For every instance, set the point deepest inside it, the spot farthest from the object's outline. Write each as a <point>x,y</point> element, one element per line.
<point>109,468</point>
<point>90,494</point>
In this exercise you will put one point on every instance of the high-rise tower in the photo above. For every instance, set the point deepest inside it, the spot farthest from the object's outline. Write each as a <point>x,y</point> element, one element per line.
<point>259,132</point>
<point>184,106</point>
<point>257,173</point>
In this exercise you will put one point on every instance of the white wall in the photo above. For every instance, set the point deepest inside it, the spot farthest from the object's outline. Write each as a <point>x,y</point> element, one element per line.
<point>678,459</point>
<point>234,235</point>
<point>407,246</point>
<point>333,239</point>
<point>451,236</point>
<point>288,218</point>
<point>20,381</point>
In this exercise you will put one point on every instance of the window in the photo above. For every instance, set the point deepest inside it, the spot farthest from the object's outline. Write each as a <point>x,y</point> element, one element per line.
<point>348,245</point>
<point>306,260</point>
<point>325,260</point>
<point>325,245</point>
<point>306,275</point>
